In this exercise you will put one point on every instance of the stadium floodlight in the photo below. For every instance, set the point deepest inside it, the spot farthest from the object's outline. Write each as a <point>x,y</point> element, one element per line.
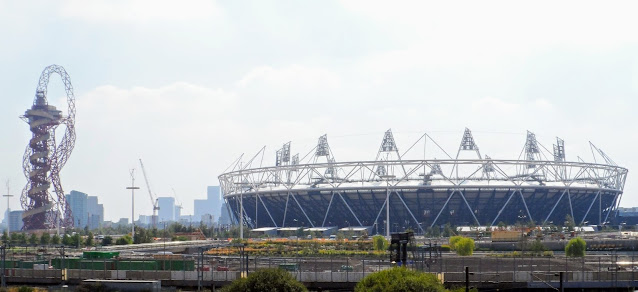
<point>559,150</point>
<point>467,143</point>
<point>532,153</point>
<point>388,144</point>
<point>323,149</point>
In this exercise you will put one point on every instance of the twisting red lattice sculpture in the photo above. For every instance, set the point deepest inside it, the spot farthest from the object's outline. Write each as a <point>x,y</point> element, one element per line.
<point>43,158</point>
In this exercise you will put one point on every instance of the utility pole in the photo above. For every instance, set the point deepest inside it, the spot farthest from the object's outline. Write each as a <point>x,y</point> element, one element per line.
<point>132,188</point>
<point>8,195</point>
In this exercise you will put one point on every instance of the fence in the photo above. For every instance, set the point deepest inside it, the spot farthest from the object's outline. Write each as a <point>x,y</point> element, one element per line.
<point>619,269</point>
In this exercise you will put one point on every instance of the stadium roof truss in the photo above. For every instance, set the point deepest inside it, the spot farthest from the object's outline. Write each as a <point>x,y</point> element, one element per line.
<point>420,193</point>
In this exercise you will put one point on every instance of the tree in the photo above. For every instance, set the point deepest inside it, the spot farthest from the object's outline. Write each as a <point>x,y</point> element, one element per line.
<point>124,240</point>
<point>570,223</point>
<point>45,238</point>
<point>454,240</point>
<point>448,230</point>
<point>399,279</point>
<point>5,237</point>
<point>379,242</point>
<point>538,247</point>
<point>107,240</point>
<point>465,246</point>
<point>22,238</point>
<point>33,239</point>
<point>89,239</point>
<point>576,247</point>
<point>142,236</point>
<point>66,240</point>
<point>76,240</point>
<point>273,279</point>
<point>55,239</point>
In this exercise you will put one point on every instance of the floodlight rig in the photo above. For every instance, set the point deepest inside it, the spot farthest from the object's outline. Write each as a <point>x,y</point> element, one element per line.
<point>532,152</point>
<point>467,144</point>
<point>559,156</point>
<point>43,159</point>
<point>323,150</point>
<point>283,158</point>
<point>387,148</point>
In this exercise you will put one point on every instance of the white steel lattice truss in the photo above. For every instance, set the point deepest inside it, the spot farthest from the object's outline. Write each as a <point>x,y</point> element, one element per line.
<point>420,191</point>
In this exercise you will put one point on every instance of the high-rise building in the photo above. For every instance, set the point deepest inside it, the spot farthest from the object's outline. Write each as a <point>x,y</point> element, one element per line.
<point>78,201</point>
<point>86,210</point>
<point>15,218</point>
<point>166,209</point>
<point>210,206</point>
<point>178,212</point>
<point>225,216</point>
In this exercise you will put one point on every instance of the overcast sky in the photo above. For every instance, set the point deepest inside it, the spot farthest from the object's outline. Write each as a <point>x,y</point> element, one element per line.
<point>188,86</point>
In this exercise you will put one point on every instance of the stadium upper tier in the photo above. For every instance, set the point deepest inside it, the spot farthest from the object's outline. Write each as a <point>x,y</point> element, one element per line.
<point>422,193</point>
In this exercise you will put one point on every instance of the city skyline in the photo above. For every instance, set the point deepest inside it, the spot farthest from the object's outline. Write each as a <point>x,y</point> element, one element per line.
<point>189,87</point>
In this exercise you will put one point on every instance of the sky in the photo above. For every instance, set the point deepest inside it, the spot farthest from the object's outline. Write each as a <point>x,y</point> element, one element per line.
<point>188,86</point>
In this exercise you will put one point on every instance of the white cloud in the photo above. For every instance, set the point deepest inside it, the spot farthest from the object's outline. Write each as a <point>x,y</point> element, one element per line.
<point>138,11</point>
<point>294,76</point>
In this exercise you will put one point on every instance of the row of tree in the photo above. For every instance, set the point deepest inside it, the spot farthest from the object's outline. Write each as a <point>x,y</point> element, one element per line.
<point>394,279</point>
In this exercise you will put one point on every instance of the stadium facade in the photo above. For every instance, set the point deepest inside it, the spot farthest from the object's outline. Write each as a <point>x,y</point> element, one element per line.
<point>390,194</point>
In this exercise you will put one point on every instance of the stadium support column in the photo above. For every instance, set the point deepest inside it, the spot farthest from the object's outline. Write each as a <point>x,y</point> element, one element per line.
<point>387,211</point>
<point>241,215</point>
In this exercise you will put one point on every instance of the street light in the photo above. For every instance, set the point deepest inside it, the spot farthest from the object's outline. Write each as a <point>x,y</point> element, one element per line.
<point>132,188</point>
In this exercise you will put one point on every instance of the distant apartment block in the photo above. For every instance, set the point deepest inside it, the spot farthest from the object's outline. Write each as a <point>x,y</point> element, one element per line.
<point>86,210</point>
<point>166,209</point>
<point>15,218</point>
<point>211,206</point>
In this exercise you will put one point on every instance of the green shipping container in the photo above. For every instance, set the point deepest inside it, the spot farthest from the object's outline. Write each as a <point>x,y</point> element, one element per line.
<point>100,254</point>
<point>137,265</point>
<point>177,265</point>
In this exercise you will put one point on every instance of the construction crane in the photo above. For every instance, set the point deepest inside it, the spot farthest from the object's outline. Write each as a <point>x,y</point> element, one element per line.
<point>178,204</point>
<point>154,200</point>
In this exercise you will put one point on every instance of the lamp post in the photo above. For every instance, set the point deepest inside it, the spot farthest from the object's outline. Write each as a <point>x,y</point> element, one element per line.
<point>8,196</point>
<point>132,188</point>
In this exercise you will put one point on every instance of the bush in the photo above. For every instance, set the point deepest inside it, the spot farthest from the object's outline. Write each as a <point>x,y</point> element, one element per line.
<point>576,247</point>
<point>379,242</point>
<point>107,240</point>
<point>548,253</point>
<point>399,279</point>
<point>538,247</point>
<point>465,246</point>
<point>445,247</point>
<point>272,279</point>
<point>124,240</point>
<point>454,240</point>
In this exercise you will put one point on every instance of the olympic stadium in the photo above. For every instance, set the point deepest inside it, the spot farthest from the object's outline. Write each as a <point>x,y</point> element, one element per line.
<point>392,193</point>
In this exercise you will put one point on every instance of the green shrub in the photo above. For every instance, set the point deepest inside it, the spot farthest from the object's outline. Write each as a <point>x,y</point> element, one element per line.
<point>454,240</point>
<point>465,246</point>
<point>399,279</point>
<point>548,253</point>
<point>576,247</point>
<point>107,240</point>
<point>445,247</point>
<point>537,247</point>
<point>124,240</point>
<point>273,279</point>
<point>379,242</point>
